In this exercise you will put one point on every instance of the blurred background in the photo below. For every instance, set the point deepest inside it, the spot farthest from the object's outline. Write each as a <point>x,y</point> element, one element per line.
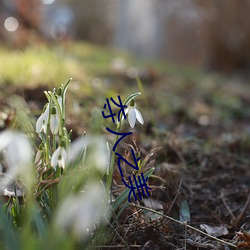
<point>211,34</point>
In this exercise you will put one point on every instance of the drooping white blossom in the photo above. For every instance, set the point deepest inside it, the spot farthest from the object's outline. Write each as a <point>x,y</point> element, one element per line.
<point>42,122</point>
<point>59,157</point>
<point>54,121</point>
<point>133,114</point>
<point>39,154</point>
<point>79,214</point>
<point>17,151</point>
<point>98,152</point>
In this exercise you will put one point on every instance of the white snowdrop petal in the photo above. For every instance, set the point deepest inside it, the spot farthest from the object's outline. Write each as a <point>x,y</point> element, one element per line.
<point>66,215</point>
<point>5,138</point>
<point>18,155</point>
<point>79,214</point>
<point>44,127</point>
<point>132,117</point>
<point>39,123</point>
<point>19,151</point>
<point>55,156</point>
<point>139,116</point>
<point>42,121</point>
<point>63,158</point>
<point>59,99</point>
<point>77,148</point>
<point>38,156</point>
<point>54,124</point>
<point>126,112</point>
<point>64,154</point>
<point>61,163</point>
<point>101,154</point>
<point>46,113</point>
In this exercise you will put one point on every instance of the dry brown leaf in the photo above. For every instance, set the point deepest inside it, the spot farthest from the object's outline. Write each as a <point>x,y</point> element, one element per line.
<point>245,236</point>
<point>214,230</point>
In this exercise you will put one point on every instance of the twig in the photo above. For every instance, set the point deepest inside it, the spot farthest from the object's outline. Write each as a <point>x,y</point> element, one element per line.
<point>173,202</point>
<point>227,207</point>
<point>118,235</point>
<point>184,224</point>
<point>117,246</point>
<point>48,185</point>
<point>185,242</point>
<point>239,217</point>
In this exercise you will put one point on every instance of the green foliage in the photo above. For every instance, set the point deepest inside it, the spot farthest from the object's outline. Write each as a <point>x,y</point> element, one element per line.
<point>66,206</point>
<point>124,195</point>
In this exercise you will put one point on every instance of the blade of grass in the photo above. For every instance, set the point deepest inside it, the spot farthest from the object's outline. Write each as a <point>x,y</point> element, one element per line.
<point>124,195</point>
<point>11,238</point>
<point>129,98</point>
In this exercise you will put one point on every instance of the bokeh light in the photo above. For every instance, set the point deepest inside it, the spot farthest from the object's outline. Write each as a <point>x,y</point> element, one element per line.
<point>48,2</point>
<point>11,24</point>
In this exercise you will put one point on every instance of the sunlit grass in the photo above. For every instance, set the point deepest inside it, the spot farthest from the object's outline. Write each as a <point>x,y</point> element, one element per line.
<point>41,64</point>
<point>37,65</point>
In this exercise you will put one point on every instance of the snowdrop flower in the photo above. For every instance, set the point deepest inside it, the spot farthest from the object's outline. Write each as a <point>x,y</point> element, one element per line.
<point>42,122</point>
<point>133,114</point>
<point>17,152</point>
<point>98,152</point>
<point>79,214</point>
<point>59,157</point>
<point>54,121</point>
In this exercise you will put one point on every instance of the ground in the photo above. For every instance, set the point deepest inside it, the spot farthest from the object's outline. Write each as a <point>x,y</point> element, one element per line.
<point>197,124</point>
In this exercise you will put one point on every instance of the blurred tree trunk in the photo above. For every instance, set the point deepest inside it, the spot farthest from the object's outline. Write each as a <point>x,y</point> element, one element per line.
<point>92,22</point>
<point>229,35</point>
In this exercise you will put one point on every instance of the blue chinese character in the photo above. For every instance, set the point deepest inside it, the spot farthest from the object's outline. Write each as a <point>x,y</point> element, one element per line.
<point>121,158</point>
<point>117,133</point>
<point>120,105</point>
<point>139,186</point>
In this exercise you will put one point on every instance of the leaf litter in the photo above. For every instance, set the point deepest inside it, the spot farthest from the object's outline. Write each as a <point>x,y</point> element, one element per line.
<point>202,176</point>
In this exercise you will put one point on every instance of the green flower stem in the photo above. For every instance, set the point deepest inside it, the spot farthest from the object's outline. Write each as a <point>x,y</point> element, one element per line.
<point>46,147</point>
<point>52,95</point>
<point>47,137</point>
<point>66,137</point>
<point>65,87</point>
<point>112,163</point>
<point>54,142</point>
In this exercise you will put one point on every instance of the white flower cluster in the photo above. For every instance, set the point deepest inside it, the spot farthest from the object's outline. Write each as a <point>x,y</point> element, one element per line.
<point>50,116</point>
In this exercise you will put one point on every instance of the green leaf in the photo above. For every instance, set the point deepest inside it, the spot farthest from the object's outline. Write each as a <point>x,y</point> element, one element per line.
<point>132,96</point>
<point>65,87</point>
<point>10,236</point>
<point>124,195</point>
<point>184,212</point>
<point>39,222</point>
